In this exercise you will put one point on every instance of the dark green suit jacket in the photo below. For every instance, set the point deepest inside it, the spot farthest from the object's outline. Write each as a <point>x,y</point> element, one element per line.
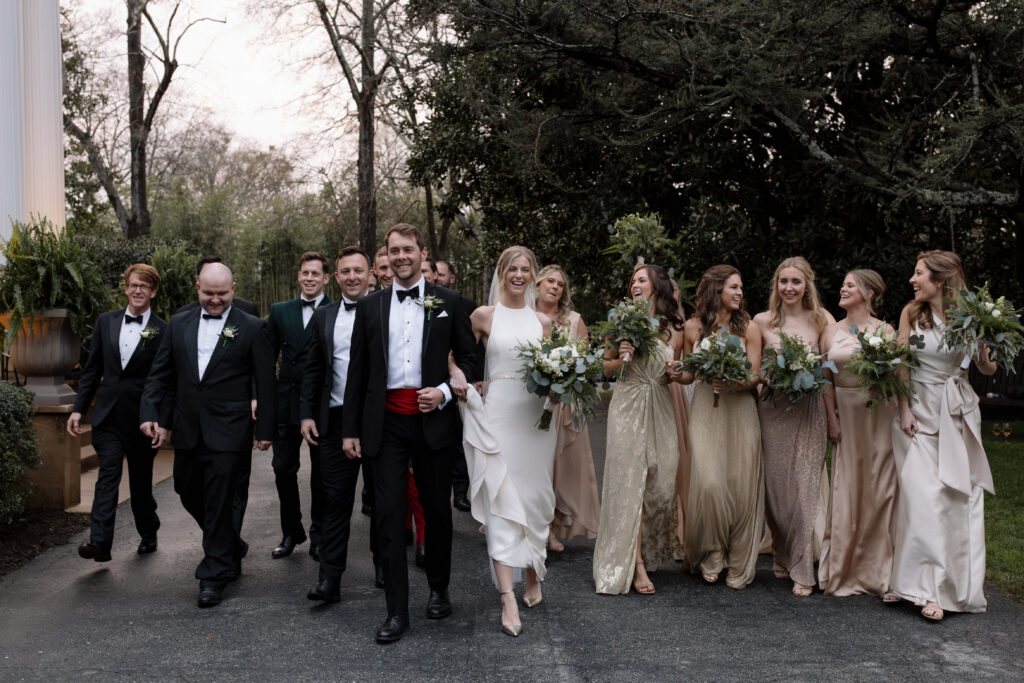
<point>291,340</point>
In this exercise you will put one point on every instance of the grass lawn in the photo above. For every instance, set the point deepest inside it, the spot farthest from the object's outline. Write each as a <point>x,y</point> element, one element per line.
<point>1004,512</point>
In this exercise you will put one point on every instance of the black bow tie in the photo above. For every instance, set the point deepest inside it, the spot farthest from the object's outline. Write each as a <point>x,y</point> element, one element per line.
<point>132,319</point>
<point>207,316</point>
<point>350,306</point>
<point>309,302</point>
<point>403,294</point>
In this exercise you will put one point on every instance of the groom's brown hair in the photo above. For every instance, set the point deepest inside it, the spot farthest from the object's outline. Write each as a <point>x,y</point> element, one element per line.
<point>407,230</point>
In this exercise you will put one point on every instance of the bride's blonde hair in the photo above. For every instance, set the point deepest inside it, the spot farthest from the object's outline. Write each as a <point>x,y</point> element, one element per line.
<point>505,264</point>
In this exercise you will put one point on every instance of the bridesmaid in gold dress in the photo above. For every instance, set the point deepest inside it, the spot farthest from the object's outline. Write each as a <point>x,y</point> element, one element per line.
<point>793,437</point>
<point>577,510</point>
<point>681,406</point>
<point>856,555</point>
<point>726,496</point>
<point>638,497</point>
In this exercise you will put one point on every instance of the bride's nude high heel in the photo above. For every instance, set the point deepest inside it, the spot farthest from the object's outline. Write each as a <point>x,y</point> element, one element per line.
<point>509,629</point>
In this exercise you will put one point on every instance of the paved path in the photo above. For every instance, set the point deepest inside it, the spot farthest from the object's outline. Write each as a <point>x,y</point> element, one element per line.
<point>135,619</point>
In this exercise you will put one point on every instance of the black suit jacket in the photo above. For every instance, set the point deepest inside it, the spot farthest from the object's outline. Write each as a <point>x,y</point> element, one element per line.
<point>241,304</point>
<point>318,373</point>
<point>118,392</point>
<point>366,385</point>
<point>292,340</point>
<point>217,406</point>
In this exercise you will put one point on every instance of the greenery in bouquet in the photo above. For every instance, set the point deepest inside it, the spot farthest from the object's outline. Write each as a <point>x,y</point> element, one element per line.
<point>976,318</point>
<point>882,365</point>
<point>722,357</point>
<point>630,321</point>
<point>562,371</point>
<point>793,370</point>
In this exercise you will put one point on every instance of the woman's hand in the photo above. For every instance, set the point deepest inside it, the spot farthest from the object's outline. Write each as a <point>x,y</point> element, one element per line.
<point>721,386</point>
<point>674,372</point>
<point>625,348</point>
<point>908,423</point>
<point>834,433</point>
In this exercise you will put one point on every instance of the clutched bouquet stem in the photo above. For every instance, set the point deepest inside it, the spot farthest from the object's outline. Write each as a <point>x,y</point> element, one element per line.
<point>564,372</point>
<point>721,356</point>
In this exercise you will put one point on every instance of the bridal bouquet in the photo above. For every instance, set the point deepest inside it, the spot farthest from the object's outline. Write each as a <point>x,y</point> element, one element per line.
<point>975,319</point>
<point>562,371</point>
<point>878,361</point>
<point>794,370</point>
<point>720,357</point>
<point>629,321</point>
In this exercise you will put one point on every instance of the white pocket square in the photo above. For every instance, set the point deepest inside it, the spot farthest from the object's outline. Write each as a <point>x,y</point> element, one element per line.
<point>444,314</point>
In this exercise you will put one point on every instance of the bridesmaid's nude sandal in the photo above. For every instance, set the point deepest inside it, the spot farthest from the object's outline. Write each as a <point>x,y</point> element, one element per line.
<point>780,572</point>
<point>933,612</point>
<point>643,588</point>
<point>802,591</point>
<point>709,578</point>
<point>890,598</point>
<point>554,544</point>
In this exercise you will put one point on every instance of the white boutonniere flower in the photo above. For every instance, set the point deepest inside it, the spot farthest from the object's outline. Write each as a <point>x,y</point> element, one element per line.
<point>148,334</point>
<point>228,334</point>
<point>430,303</point>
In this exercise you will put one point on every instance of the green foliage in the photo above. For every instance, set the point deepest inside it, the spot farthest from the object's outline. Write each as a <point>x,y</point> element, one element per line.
<point>793,370</point>
<point>882,364</point>
<point>719,357</point>
<point>18,450</point>
<point>113,253</point>
<point>976,318</point>
<point>46,268</point>
<point>563,371</point>
<point>177,268</point>
<point>629,321</point>
<point>1004,512</point>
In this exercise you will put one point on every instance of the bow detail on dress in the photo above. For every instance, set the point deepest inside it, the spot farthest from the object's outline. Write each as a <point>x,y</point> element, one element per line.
<point>962,460</point>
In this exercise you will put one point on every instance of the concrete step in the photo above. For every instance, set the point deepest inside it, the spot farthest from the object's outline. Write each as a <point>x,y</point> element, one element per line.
<point>90,460</point>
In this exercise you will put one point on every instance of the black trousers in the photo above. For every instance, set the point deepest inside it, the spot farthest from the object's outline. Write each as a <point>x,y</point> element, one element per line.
<point>113,446</point>
<point>401,441</point>
<point>207,482</point>
<point>340,476</point>
<point>286,468</point>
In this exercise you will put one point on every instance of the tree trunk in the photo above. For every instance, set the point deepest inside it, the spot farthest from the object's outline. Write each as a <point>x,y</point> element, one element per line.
<point>432,245</point>
<point>138,220</point>
<point>366,185</point>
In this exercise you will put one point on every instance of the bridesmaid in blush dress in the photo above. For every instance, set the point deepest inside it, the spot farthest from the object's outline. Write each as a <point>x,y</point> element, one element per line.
<point>793,437</point>
<point>939,558</point>
<point>857,551</point>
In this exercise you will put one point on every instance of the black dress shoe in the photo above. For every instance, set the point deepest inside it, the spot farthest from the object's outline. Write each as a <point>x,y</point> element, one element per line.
<point>327,591</point>
<point>392,629</point>
<point>147,546</point>
<point>90,552</point>
<point>233,574</point>
<point>367,509</point>
<point>314,551</point>
<point>438,606</point>
<point>210,594</point>
<point>421,555</point>
<point>286,547</point>
<point>408,537</point>
<point>243,548</point>
<point>378,576</point>
<point>462,503</point>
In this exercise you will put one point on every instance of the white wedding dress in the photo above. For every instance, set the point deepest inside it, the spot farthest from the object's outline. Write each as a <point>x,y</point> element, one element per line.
<point>510,460</point>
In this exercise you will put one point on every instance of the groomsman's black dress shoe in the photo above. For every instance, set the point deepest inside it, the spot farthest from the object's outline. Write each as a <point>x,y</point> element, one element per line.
<point>147,546</point>
<point>421,555</point>
<point>367,510</point>
<point>462,503</point>
<point>286,547</point>
<point>211,593</point>
<point>327,591</point>
<point>392,629</point>
<point>314,551</point>
<point>438,606</point>
<point>378,576</point>
<point>90,552</point>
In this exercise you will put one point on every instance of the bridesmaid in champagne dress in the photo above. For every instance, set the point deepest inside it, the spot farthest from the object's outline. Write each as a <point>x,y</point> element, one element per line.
<point>793,437</point>
<point>638,511</point>
<point>940,518</point>
<point>577,510</point>
<point>726,496</point>
<point>681,407</point>
<point>856,555</point>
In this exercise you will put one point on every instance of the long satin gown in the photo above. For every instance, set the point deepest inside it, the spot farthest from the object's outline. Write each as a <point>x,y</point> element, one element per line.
<point>856,555</point>
<point>794,438</point>
<point>514,498</point>
<point>577,507</point>
<point>681,408</point>
<point>639,474</point>
<point>725,509</point>
<point>943,474</point>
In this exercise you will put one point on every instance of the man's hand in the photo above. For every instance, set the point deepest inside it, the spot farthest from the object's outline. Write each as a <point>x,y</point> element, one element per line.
<point>73,427</point>
<point>260,445</point>
<point>252,405</point>
<point>352,448</point>
<point>429,399</point>
<point>308,430</point>
<point>163,437</point>
<point>149,429</point>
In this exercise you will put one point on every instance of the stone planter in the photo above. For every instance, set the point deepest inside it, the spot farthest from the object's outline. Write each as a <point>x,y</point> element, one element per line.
<point>43,352</point>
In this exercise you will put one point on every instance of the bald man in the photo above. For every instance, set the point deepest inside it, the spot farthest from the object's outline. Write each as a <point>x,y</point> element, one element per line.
<point>208,360</point>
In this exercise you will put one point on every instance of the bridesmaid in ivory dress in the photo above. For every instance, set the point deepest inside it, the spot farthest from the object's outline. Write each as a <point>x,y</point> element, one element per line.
<point>638,496</point>
<point>793,437</point>
<point>577,510</point>
<point>856,554</point>
<point>939,558</point>
<point>726,498</point>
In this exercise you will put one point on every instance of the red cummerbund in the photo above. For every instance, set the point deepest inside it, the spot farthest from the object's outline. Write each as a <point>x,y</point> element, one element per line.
<point>402,401</point>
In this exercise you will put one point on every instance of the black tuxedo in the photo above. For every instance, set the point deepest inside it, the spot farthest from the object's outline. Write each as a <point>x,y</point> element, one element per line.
<point>390,439</point>
<point>460,469</point>
<point>292,340</point>
<point>339,472</point>
<point>241,304</point>
<point>115,422</point>
<point>213,427</point>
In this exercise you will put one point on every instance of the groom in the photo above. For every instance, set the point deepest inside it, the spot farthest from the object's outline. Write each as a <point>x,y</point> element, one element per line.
<point>399,407</point>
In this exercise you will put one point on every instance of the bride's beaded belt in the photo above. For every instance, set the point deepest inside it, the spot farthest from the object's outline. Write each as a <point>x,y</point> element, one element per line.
<point>503,375</point>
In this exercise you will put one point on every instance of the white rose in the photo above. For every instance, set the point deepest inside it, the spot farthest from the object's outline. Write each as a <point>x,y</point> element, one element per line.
<point>996,313</point>
<point>811,359</point>
<point>705,344</point>
<point>875,340</point>
<point>989,305</point>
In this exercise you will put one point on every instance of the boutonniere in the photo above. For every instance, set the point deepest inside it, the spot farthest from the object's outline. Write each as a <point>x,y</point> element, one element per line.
<point>430,303</point>
<point>228,334</point>
<point>148,334</point>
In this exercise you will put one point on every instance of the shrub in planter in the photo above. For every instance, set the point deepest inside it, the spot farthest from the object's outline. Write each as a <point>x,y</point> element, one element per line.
<point>18,450</point>
<point>177,268</point>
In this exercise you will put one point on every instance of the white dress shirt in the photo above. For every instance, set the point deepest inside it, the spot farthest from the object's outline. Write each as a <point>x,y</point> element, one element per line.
<point>342,352</point>
<point>131,334</point>
<point>307,311</point>
<point>209,337</point>
<point>405,342</point>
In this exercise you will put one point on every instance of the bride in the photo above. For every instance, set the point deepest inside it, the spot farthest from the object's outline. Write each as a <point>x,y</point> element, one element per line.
<point>510,460</point>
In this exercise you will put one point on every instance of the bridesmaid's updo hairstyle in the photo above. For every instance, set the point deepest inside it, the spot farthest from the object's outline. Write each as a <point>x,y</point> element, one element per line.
<point>811,300</point>
<point>505,265</point>
<point>709,297</point>
<point>946,272</point>
<point>664,303</point>
<point>565,303</point>
<point>871,287</point>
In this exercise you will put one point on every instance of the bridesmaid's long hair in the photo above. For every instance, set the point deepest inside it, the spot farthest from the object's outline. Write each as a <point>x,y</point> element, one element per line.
<point>709,298</point>
<point>505,263</point>
<point>946,272</point>
<point>811,300</point>
<point>565,303</point>
<point>871,286</point>
<point>664,304</point>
